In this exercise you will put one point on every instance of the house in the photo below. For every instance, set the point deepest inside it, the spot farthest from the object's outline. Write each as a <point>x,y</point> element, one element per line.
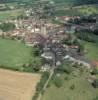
<point>69,28</point>
<point>1,32</point>
<point>78,61</point>
<point>95,63</point>
<point>47,55</point>
<point>67,18</point>
<point>91,79</point>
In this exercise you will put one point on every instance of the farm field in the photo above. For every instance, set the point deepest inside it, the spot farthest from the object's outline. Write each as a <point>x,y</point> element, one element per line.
<point>17,86</point>
<point>68,12</point>
<point>89,9</point>
<point>82,90</point>
<point>78,10</point>
<point>5,15</point>
<point>14,54</point>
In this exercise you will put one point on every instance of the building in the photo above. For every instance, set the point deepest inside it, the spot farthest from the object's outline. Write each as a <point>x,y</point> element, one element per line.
<point>95,63</point>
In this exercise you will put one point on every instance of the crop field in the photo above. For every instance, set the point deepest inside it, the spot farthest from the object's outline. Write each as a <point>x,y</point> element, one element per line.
<point>68,12</point>
<point>77,10</point>
<point>17,86</point>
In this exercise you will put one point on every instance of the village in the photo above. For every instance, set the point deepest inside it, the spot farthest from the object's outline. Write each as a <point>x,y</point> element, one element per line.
<point>49,35</point>
<point>57,43</point>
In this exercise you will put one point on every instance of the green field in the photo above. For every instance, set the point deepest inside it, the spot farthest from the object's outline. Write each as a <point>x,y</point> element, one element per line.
<point>89,9</point>
<point>5,15</point>
<point>78,10</point>
<point>14,54</point>
<point>83,90</point>
<point>68,12</point>
<point>91,50</point>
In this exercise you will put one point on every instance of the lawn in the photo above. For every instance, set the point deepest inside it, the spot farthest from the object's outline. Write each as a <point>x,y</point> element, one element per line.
<point>14,54</point>
<point>82,91</point>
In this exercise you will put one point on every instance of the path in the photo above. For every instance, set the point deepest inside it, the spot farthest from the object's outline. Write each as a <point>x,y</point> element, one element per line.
<point>45,86</point>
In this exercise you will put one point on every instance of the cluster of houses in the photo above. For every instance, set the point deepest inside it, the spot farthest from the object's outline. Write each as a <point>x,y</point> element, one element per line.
<point>27,29</point>
<point>31,32</point>
<point>48,36</point>
<point>67,18</point>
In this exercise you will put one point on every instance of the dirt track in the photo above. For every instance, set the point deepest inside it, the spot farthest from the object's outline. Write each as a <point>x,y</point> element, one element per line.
<point>17,86</point>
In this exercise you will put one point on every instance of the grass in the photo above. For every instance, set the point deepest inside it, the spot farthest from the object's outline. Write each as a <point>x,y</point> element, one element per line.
<point>89,10</point>
<point>14,54</point>
<point>78,11</point>
<point>68,12</point>
<point>91,49</point>
<point>5,15</point>
<point>82,91</point>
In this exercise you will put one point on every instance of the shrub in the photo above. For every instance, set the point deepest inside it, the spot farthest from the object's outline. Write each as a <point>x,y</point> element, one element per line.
<point>95,83</point>
<point>7,26</point>
<point>40,85</point>
<point>65,67</point>
<point>95,71</point>
<point>35,96</point>
<point>66,78</point>
<point>44,78</point>
<point>75,65</point>
<point>58,82</point>
<point>96,98</point>
<point>72,87</point>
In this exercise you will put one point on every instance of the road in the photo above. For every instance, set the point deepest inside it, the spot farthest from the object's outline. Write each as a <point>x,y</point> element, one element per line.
<point>45,86</point>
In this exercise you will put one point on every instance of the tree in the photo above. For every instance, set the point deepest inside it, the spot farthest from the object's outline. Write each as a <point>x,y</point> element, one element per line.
<point>42,82</point>
<point>37,63</point>
<point>43,9</point>
<point>79,2</point>
<point>96,98</point>
<point>95,83</point>
<point>65,67</point>
<point>58,81</point>
<point>86,35</point>
<point>7,26</point>
<point>80,49</point>
<point>72,87</point>
<point>36,51</point>
<point>95,71</point>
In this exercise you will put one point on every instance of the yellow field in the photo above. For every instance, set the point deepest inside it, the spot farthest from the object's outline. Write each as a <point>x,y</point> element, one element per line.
<point>16,85</point>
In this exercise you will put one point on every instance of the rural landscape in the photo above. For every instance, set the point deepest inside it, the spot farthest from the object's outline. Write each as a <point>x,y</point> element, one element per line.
<point>48,49</point>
